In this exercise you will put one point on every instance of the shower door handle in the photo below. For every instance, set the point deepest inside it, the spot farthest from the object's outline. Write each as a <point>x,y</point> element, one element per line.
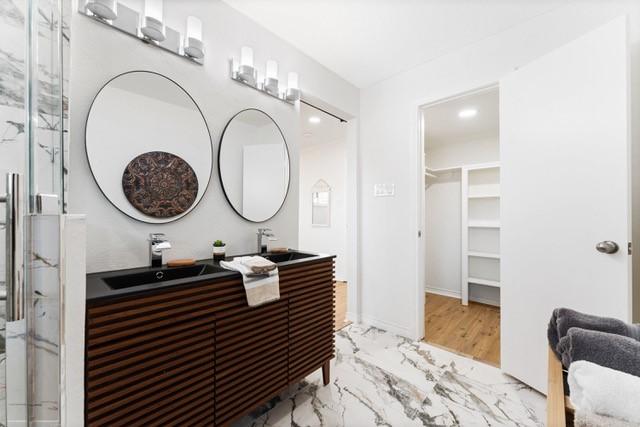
<point>14,282</point>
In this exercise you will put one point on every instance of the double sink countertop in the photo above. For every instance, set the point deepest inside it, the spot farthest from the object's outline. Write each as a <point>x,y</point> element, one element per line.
<point>118,283</point>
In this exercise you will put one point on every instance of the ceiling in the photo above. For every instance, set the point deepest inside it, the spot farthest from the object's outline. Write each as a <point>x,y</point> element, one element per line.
<point>329,129</point>
<point>443,125</point>
<point>365,41</point>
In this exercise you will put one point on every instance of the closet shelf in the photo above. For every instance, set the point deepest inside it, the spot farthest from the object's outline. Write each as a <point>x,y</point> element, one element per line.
<point>478,254</point>
<point>484,224</point>
<point>442,170</point>
<point>484,196</point>
<point>485,282</point>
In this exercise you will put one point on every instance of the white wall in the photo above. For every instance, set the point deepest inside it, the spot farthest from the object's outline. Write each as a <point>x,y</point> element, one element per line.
<point>443,235</point>
<point>327,161</point>
<point>479,149</point>
<point>443,206</point>
<point>99,53</point>
<point>390,152</point>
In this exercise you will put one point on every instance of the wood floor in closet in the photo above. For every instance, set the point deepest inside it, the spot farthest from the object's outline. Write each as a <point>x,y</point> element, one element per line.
<point>473,330</point>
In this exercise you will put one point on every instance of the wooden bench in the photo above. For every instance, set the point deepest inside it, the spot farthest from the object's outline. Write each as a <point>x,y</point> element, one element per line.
<point>559,408</point>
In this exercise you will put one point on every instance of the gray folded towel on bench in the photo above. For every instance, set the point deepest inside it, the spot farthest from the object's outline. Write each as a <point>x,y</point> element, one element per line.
<point>563,319</point>
<point>612,351</point>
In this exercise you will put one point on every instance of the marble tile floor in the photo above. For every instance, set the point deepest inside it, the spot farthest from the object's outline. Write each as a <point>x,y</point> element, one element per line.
<point>379,379</point>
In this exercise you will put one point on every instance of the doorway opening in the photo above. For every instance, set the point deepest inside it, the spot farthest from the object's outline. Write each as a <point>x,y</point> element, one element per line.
<point>322,223</point>
<point>462,224</point>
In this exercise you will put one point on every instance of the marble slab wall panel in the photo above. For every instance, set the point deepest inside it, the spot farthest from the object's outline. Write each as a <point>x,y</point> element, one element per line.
<point>73,275</point>
<point>43,298</point>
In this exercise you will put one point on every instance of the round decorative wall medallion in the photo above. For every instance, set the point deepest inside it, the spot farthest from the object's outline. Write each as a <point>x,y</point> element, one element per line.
<point>160,184</point>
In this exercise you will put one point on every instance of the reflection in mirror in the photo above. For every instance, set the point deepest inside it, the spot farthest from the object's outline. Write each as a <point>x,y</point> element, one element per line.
<point>321,204</point>
<point>253,162</point>
<point>148,147</point>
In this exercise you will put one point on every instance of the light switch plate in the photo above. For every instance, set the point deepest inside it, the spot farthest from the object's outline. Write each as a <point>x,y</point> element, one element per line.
<point>384,190</point>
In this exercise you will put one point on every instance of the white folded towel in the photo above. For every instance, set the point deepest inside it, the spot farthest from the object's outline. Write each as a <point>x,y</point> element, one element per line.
<point>260,288</point>
<point>589,419</point>
<point>604,391</point>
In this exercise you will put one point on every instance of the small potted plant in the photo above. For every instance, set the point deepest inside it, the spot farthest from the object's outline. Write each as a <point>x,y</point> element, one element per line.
<point>219,249</point>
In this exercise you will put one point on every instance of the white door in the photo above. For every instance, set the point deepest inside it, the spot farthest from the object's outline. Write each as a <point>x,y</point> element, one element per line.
<point>565,187</point>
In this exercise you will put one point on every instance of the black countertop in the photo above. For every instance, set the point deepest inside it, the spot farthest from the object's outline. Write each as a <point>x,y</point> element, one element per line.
<point>98,289</point>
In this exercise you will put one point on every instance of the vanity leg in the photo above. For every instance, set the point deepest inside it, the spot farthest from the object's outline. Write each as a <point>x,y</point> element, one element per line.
<point>326,372</point>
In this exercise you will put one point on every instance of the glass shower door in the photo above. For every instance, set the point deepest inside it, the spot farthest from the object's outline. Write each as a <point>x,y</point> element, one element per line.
<point>34,43</point>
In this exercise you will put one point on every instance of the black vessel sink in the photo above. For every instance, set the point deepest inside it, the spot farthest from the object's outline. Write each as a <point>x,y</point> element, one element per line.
<point>161,275</point>
<point>287,256</point>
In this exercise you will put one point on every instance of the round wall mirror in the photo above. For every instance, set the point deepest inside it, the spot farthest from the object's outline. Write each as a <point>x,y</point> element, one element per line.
<point>148,147</point>
<point>253,162</point>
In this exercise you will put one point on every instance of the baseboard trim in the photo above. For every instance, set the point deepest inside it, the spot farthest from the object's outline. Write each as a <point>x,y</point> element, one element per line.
<point>454,294</point>
<point>442,291</point>
<point>485,301</point>
<point>353,317</point>
<point>387,326</point>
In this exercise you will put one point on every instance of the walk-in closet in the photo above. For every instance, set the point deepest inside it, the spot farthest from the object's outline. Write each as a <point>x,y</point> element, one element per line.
<point>462,224</point>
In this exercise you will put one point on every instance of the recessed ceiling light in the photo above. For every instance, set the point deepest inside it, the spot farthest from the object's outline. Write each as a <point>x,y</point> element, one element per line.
<point>314,119</point>
<point>307,134</point>
<point>467,113</point>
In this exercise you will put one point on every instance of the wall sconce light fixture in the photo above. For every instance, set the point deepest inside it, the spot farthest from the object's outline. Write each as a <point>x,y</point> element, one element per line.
<point>193,41</point>
<point>246,73</point>
<point>150,28</point>
<point>152,21</point>
<point>293,90</point>
<point>271,78</point>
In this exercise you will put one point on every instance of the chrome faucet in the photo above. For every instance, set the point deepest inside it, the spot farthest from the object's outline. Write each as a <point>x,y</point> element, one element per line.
<point>157,244</point>
<point>264,232</point>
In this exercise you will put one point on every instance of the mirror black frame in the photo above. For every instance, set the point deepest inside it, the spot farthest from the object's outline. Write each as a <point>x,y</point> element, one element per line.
<point>86,152</point>
<point>286,147</point>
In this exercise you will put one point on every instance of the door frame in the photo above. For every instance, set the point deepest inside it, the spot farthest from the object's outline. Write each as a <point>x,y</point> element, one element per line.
<point>352,220</point>
<point>421,242</point>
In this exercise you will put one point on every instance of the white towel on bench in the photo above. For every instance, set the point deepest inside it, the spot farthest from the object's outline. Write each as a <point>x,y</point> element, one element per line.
<point>259,288</point>
<point>604,391</point>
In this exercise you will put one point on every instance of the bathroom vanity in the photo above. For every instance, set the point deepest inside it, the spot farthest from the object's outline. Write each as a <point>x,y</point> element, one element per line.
<point>178,346</point>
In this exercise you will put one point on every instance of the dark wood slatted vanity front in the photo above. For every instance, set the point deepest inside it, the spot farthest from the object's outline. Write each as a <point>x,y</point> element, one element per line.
<point>196,354</point>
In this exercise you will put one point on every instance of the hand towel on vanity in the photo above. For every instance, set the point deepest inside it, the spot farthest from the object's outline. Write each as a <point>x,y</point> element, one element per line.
<point>613,351</point>
<point>564,318</point>
<point>260,288</point>
<point>604,391</point>
<point>258,264</point>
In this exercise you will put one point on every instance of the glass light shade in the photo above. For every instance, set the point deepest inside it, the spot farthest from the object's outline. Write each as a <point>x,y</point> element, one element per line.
<point>193,46</point>
<point>105,9</point>
<point>194,28</point>
<point>292,82</point>
<point>272,69</point>
<point>293,93</point>
<point>153,9</point>
<point>152,26</point>
<point>246,56</point>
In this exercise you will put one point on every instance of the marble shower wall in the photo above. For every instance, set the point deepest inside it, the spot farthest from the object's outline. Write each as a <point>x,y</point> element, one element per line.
<point>43,156</point>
